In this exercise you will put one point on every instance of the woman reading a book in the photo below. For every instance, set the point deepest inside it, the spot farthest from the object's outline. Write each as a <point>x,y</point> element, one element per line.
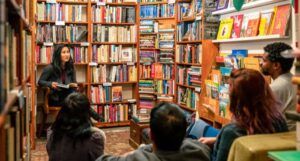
<point>254,111</point>
<point>72,135</point>
<point>57,74</point>
<point>60,77</point>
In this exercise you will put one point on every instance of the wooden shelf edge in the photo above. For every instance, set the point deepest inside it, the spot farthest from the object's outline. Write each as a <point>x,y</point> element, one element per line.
<point>248,6</point>
<point>66,2</point>
<point>112,124</point>
<point>254,38</point>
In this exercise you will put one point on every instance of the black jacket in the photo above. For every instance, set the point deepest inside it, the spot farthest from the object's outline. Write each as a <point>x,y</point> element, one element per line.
<point>48,76</point>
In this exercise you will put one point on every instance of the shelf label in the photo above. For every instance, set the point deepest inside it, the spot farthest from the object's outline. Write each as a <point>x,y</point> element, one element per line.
<point>171,1</point>
<point>107,84</point>
<point>132,100</point>
<point>147,63</point>
<point>48,43</point>
<point>50,1</point>
<point>130,63</point>
<point>84,44</point>
<point>198,17</point>
<point>93,64</point>
<point>60,23</point>
<point>197,89</point>
<point>100,3</point>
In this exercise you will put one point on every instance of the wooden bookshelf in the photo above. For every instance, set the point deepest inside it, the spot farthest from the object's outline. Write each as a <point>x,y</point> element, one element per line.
<point>156,72</point>
<point>85,69</point>
<point>15,72</point>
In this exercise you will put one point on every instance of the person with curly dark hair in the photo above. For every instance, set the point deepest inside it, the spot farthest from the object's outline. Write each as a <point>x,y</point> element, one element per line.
<point>254,109</point>
<point>72,135</point>
<point>277,64</point>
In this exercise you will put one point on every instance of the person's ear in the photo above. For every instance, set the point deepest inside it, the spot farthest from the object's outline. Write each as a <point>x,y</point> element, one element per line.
<point>276,65</point>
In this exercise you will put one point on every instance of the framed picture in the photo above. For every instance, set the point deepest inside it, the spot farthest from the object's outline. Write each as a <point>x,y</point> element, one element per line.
<point>222,4</point>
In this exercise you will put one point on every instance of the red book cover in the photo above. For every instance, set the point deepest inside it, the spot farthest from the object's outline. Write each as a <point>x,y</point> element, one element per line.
<point>237,25</point>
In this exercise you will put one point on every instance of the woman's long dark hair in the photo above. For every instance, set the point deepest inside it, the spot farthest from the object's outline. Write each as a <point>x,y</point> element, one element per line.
<point>73,120</point>
<point>252,102</point>
<point>56,61</point>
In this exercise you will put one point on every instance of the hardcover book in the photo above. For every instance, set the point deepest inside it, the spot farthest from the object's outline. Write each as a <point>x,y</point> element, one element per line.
<point>237,25</point>
<point>281,19</point>
<point>225,29</point>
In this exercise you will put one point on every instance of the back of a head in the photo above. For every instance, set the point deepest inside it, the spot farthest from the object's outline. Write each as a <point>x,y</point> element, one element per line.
<point>168,125</point>
<point>74,117</point>
<point>275,54</point>
<point>252,101</point>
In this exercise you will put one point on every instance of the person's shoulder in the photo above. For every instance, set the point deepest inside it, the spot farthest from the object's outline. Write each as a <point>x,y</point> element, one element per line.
<point>97,134</point>
<point>49,67</point>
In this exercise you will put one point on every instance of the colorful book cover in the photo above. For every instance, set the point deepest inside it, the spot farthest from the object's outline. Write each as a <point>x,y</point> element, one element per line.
<point>252,25</point>
<point>281,19</point>
<point>265,22</point>
<point>225,29</point>
<point>237,25</point>
<point>116,93</point>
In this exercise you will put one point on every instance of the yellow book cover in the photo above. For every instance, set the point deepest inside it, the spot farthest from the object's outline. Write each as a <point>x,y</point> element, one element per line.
<point>225,28</point>
<point>265,22</point>
<point>251,63</point>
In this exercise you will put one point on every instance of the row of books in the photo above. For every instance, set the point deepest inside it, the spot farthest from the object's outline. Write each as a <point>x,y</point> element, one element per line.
<point>113,14</point>
<point>189,31</point>
<point>189,53</point>
<point>69,33</point>
<point>113,113</point>
<point>268,22</point>
<point>161,56</point>
<point>61,12</point>
<point>115,73</point>
<point>165,87</point>
<point>189,76</point>
<point>156,11</point>
<point>189,10</point>
<point>113,53</point>
<point>102,33</point>
<point>102,94</point>
<point>44,54</point>
<point>188,97</point>
<point>156,71</point>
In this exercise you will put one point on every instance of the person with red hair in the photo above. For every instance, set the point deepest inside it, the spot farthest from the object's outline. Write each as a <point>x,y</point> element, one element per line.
<point>254,110</point>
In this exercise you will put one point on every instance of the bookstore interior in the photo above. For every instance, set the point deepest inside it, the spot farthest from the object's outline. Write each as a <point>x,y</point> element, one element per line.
<point>130,55</point>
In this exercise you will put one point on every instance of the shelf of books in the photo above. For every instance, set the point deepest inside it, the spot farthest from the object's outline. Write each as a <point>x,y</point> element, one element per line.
<point>113,61</point>
<point>15,70</point>
<point>157,47</point>
<point>190,42</point>
<point>240,39</point>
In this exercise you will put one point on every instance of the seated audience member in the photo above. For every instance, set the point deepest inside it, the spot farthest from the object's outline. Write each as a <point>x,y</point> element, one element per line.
<point>254,110</point>
<point>167,132</point>
<point>277,63</point>
<point>72,136</point>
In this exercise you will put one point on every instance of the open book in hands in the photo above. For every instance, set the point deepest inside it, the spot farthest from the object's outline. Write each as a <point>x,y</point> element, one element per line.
<point>67,86</point>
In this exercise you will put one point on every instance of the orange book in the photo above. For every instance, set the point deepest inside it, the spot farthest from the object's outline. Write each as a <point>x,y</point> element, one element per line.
<point>252,26</point>
<point>158,71</point>
<point>281,19</point>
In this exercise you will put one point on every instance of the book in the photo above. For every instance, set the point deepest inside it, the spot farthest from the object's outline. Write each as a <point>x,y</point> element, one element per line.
<point>225,29</point>
<point>281,19</point>
<point>252,24</point>
<point>67,86</point>
<point>237,25</point>
<point>222,4</point>
<point>265,22</point>
<point>116,93</point>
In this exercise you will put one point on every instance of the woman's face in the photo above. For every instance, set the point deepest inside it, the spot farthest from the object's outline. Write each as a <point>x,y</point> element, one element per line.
<point>65,55</point>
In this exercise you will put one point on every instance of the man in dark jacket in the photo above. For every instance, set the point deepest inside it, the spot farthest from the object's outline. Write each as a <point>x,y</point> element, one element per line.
<point>167,132</point>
